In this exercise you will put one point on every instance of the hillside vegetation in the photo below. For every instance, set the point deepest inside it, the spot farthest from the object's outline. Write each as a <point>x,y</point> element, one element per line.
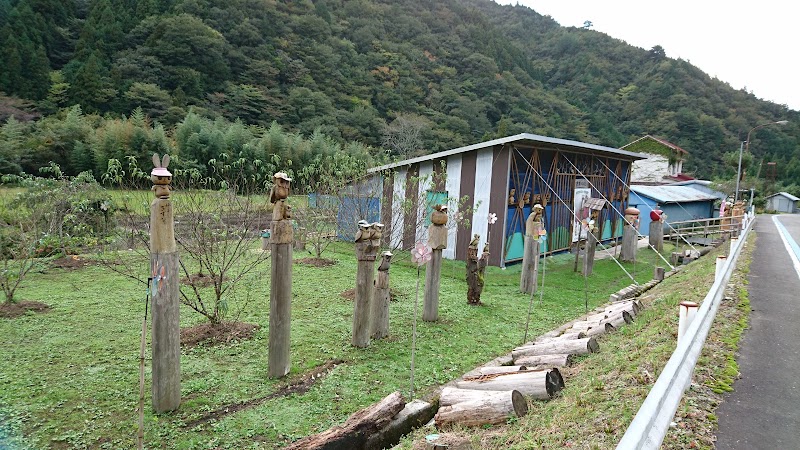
<point>449,72</point>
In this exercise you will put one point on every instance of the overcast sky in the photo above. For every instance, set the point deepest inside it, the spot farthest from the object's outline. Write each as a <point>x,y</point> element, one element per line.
<point>746,44</point>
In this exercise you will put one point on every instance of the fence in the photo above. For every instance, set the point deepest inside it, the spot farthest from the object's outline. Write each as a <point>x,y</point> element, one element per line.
<point>651,422</point>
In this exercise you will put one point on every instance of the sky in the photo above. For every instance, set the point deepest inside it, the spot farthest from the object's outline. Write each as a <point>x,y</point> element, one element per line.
<point>750,45</point>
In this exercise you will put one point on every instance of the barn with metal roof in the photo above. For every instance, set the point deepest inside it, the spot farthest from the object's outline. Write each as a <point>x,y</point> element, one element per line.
<point>506,177</point>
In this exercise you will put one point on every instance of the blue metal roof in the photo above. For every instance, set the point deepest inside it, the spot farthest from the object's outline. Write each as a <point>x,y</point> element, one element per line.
<point>673,194</point>
<point>523,138</point>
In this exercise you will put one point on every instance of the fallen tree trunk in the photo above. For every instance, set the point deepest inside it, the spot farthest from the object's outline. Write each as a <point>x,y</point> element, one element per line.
<point>453,395</point>
<point>357,429</point>
<point>415,415</point>
<point>540,384</point>
<point>500,369</point>
<point>569,346</point>
<point>488,408</point>
<point>545,361</point>
<point>619,320</point>
<point>598,330</point>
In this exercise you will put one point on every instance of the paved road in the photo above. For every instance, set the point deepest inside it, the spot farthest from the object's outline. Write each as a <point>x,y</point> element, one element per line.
<point>763,411</point>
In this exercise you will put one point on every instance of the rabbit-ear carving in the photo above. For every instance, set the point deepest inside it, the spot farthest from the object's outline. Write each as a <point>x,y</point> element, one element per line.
<point>156,160</point>
<point>165,160</point>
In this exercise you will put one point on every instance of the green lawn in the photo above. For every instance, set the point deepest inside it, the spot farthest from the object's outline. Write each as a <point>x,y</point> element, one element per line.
<point>70,376</point>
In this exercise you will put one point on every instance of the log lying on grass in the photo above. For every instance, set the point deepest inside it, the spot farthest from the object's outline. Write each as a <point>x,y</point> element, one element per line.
<point>492,370</point>
<point>542,361</point>
<point>539,384</point>
<point>619,319</point>
<point>486,407</point>
<point>568,346</point>
<point>600,329</point>
<point>570,334</point>
<point>358,427</point>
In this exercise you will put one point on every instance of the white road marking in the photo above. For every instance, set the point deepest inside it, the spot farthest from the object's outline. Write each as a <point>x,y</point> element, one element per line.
<point>790,244</point>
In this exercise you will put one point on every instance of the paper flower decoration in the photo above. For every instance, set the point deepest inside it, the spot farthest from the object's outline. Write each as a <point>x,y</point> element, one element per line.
<point>492,218</point>
<point>421,254</point>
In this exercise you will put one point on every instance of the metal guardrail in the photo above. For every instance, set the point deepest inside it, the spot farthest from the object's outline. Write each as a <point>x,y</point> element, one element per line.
<point>649,426</point>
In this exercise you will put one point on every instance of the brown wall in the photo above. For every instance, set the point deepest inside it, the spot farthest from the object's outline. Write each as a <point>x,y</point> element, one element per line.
<point>498,203</point>
<point>468,163</point>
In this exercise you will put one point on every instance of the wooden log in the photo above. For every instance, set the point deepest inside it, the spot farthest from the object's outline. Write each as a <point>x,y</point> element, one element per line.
<point>490,408</point>
<point>415,415</point>
<point>658,274</point>
<point>539,385</point>
<point>573,347</point>
<point>619,320</point>
<point>581,324</point>
<point>656,236</point>
<point>362,328</point>
<point>571,334</point>
<point>597,317</point>
<point>432,276</point>
<point>545,360</point>
<point>357,429</point>
<point>492,370</point>
<point>597,331</point>
<point>452,395</point>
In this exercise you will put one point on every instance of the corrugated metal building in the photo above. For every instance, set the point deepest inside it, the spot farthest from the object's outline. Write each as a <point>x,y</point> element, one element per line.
<point>679,203</point>
<point>782,202</point>
<point>507,177</point>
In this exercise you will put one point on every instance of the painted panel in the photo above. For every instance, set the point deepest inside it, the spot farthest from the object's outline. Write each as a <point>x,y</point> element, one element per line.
<point>398,218</point>
<point>466,189</point>
<point>481,194</point>
<point>452,186</point>
<point>498,203</point>
<point>425,185</point>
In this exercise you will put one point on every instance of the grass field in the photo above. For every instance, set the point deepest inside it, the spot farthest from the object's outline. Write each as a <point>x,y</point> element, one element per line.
<point>70,376</point>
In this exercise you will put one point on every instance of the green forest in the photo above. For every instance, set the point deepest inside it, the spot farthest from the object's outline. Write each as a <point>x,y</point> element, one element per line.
<point>295,82</point>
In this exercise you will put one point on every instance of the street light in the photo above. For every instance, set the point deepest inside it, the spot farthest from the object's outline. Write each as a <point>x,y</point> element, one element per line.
<point>746,146</point>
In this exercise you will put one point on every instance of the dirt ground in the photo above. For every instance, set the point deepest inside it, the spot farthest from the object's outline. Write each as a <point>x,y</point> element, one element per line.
<point>12,310</point>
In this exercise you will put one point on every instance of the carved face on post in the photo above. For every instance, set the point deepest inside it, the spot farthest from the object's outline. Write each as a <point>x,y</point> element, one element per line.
<point>632,216</point>
<point>280,187</point>
<point>439,215</point>
<point>161,177</point>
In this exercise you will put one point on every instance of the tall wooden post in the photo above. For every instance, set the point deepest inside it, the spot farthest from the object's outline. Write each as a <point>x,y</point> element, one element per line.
<point>165,309</point>
<point>629,235</point>
<point>437,240</point>
<point>588,254</point>
<point>380,301</point>
<point>280,295</point>
<point>368,241</point>
<point>530,255</point>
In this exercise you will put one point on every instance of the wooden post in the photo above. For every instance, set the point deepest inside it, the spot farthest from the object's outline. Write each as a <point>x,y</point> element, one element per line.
<point>629,242</point>
<point>475,269</point>
<point>165,308</point>
<point>380,301</point>
<point>588,254</point>
<point>368,241</point>
<point>280,296</point>
<point>437,240</point>
<point>656,236</point>
<point>530,255</point>
<point>658,274</point>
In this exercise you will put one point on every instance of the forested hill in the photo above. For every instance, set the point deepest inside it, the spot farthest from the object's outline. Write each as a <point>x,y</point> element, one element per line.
<point>456,71</point>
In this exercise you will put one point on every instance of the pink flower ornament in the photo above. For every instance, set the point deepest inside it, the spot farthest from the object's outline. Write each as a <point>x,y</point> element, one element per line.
<point>421,254</point>
<point>492,218</point>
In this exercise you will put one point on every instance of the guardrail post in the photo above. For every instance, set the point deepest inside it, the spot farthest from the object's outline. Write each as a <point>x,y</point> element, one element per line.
<point>686,313</point>
<point>720,264</point>
<point>734,241</point>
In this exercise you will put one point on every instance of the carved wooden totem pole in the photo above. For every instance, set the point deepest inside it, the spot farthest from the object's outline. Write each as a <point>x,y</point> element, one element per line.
<point>629,235</point>
<point>368,241</point>
<point>280,296</point>
<point>476,266</point>
<point>381,298</point>
<point>164,288</point>
<point>530,256</point>
<point>656,232</point>
<point>437,241</point>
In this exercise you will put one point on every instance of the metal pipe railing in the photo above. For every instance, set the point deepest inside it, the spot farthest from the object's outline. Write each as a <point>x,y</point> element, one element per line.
<point>649,426</point>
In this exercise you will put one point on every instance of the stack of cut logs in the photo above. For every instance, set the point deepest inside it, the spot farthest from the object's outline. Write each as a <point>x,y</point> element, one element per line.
<point>495,394</point>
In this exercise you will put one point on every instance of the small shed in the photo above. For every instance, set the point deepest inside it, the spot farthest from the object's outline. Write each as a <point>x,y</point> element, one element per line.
<point>783,202</point>
<point>679,203</point>
<point>506,177</point>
